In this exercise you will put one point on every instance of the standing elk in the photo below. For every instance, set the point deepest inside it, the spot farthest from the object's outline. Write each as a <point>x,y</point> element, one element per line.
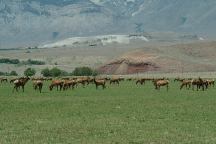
<point>38,84</point>
<point>100,82</point>
<point>115,81</point>
<point>211,82</point>
<point>56,83</point>
<point>68,84</point>
<point>20,83</point>
<point>199,83</point>
<point>185,83</point>
<point>3,80</point>
<point>141,81</point>
<point>83,81</point>
<point>159,82</point>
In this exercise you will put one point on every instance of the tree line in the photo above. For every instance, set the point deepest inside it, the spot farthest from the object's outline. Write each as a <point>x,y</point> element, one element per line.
<point>55,72</point>
<point>79,71</point>
<point>12,73</point>
<point>17,61</point>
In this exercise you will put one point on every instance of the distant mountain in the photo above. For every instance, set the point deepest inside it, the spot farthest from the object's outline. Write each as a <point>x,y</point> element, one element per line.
<point>32,22</point>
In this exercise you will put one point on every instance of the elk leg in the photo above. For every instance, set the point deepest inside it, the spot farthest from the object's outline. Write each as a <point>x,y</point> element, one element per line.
<point>182,85</point>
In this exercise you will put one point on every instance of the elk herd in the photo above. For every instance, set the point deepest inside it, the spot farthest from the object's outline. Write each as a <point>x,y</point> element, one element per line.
<point>62,84</point>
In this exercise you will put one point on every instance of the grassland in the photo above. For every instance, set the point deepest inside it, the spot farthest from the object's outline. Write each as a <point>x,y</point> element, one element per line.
<point>119,114</point>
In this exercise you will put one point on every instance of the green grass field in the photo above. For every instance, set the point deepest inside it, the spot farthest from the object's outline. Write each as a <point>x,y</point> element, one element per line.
<point>119,115</point>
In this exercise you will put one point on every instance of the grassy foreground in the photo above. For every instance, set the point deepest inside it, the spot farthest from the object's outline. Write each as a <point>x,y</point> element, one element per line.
<point>119,115</point>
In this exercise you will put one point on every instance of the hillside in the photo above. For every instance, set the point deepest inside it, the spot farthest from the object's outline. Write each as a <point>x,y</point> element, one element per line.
<point>135,57</point>
<point>193,57</point>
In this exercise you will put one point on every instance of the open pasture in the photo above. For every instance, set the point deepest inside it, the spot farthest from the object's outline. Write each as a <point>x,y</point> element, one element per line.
<point>127,113</point>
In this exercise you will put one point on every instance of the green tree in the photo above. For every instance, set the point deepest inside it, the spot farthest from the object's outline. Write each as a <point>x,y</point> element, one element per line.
<point>13,73</point>
<point>55,72</point>
<point>46,72</point>
<point>29,72</point>
<point>84,71</point>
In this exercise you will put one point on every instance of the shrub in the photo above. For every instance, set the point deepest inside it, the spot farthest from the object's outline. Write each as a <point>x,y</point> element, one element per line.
<point>46,72</point>
<point>13,73</point>
<point>29,72</point>
<point>9,61</point>
<point>34,62</point>
<point>84,71</point>
<point>54,72</point>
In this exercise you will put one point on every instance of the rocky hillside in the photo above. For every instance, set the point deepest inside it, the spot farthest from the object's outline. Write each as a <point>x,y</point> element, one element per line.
<point>193,57</point>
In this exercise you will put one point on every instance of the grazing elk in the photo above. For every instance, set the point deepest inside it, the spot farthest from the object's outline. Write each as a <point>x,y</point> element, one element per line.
<point>56,83</point>
<point>38,84</point>
<point>143,80</point>
<point>129,79</point>
<point>100,82</point>
<point>20,83</point>
<point>185,83</point>
<point>211,82</point>
<point>140,81</point>
<point>3,80</point>
<point>115,81</point>
<point>83,81</point>
<point>158,83</point>
<point>179,79</point>
<point>68,84</point>
<point>199,83</point>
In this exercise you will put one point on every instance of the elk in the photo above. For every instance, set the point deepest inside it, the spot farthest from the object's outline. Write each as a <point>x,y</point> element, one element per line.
<point>115,81</point>
<point>38,84</point>
<point>211,82</point>
<point>159,83</point>
<point>68,83</point>
<point>20,83</point>
<point>3,80</point>
<point>200,83</point>
<point>141,81</point>
<point>100,82</point>
<point>83,81</point>
<point>56,83</point>
<point>179,79</point>
<point>186,83</point>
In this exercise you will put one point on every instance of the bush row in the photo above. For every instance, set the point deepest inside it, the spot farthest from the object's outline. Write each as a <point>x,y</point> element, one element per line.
<point>17,61</point>
<point>55,72</point>
<point>12,73</point>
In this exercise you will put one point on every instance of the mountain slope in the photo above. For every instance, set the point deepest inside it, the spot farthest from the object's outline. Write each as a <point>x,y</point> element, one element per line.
<point>31,22</point>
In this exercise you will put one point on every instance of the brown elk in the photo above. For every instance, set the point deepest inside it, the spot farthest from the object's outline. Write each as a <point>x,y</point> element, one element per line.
<point>20,83</point>
<point>83,81</point>
<point>68,84</point>
<point>210,82</point>
<point>178,79</point>
<point>100,82</point>
<point>129,79</point>
<point>115,81</point>
<point>186,83</point>
<point>158,83</point>
<point>38,84</point>
<point>3,80</point>
<point>56,83</point>
<point>141,81</point>
<point>199,83</point>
